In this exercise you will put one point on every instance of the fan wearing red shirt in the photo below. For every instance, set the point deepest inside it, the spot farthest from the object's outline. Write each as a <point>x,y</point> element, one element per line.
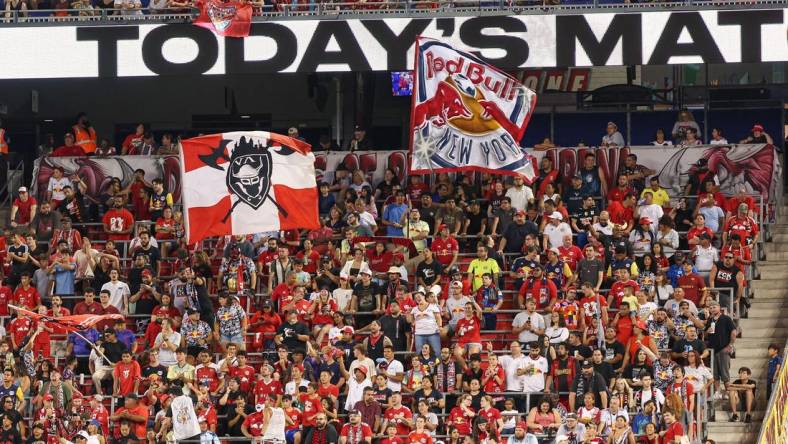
<point>617,289</point>
<point>19,328</point>
<point>379,259</point>
<point>134,412</point>
<point>244,372</point>
<point>355,431</point>
<point>312,405</point>
<point>569,253</point>
<point>415,189</point>
<point>391,436</point>
<point>699,227</point>
<point>742,253</point>
<point>26,296</point>
<point>741,224</point>
<point>398,414</point>
<point>621,190</point>
<point>589,304</point>
<point>445,247</point>
<point>266,386</point>
<point>461,417</point>
<point>309,256</point>
<point>673,429</point>
<point>207,412</point>
<point>6,296</point>
<point>623,323</point>
<point>420,435</point>
<point>469,328</point>
<point>692,283</point>
<point>621,213</point>
<point>126,375</point>
<point>207,372</point>
<point>491,414</point>
<point>494,377</point>
<point>539,288</point>
<point>325,388</point>
<point>118,221</point>
<point>293,418</point>
<point>253,424</point>
<point>264,324</point>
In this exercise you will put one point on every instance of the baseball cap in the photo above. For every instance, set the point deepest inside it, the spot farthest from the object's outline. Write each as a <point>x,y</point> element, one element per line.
<point>571,416</point>
<point>557,215</point>
<point>521,425</point>
<point>48,397</point>
<point>362,369</point>
<point>757,127</point>
<point>441,227</point>
<point>98,398</point>
<point>520,213</point>
<point>555,250</point>
<point>587,364</point>
<point>456,284</point>
<point>394,270</point>
<point>82,434</point>
<point>348,329</point>
<point>267,304</point>
<point>353,412</point>
<point>23,189</point>
<point>344,276</point>
<point>644,221</point>
<point>359,128</point>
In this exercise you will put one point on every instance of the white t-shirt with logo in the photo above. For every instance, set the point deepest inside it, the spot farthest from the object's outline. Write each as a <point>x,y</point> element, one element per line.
<point>535,373</point>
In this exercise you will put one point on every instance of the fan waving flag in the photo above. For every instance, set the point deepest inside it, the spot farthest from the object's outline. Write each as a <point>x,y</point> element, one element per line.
<point>247,182</point>
<point>69,323</point>
<point>225,18</point>
<point>467,115</point>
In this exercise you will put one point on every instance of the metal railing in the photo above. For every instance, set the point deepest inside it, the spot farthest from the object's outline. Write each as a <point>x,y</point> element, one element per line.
<point>328,9</point>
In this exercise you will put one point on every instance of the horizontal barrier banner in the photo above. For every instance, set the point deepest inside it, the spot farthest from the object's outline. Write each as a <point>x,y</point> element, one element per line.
<point>505,41</point>
<point>757,167</point>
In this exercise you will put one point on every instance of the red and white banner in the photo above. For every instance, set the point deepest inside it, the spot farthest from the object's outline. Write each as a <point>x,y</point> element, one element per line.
<point>247,182</point>
<point>71,322</point>
<point>225,18</point>
<point>467,114</point>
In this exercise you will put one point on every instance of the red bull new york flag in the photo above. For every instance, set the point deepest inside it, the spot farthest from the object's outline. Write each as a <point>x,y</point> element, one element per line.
<point>247,182</point>
<point>467,114</point>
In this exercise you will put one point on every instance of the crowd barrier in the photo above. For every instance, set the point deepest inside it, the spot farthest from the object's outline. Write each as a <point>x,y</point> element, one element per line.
<point>322,8</point>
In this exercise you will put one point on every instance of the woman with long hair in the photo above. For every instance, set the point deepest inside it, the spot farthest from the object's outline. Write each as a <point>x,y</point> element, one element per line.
<point>336,220</point>
<point>621,433</point>
<point>624,393</point>
<point>543,419</point>
<point>633,372</point>
<point>557,331</point>
<point>648,270</point>
<point>640,340</point>
<point>663,263</point>
<point>430,418</point>
<point>462,415</point>
<point>641,237</point>
<point>662,290</point>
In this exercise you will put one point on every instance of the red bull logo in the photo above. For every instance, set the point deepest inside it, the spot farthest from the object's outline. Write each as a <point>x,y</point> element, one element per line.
<point>501,86</point>
<point>221,15</point>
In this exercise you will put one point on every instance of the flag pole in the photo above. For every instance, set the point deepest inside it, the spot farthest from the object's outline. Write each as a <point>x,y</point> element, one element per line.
<point>88,341</point>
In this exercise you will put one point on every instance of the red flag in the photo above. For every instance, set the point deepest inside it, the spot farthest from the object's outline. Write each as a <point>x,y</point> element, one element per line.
<point>70,323</point>
<point>247,182</point>
<point>226,18</point>
<point>467,115</point>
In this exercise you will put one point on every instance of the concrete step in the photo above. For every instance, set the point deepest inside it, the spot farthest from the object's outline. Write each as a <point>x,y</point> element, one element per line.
<point>778,253</point>
<point>769,303</point>
<point>776,282</point>
<point>723,415</point>
<point>762,322</point>
<point>764,332</point>
<point>769,293</point>
<point>780,237</point>
<point>730,433</point>
<point>772,269</point>
<point>758,311</point>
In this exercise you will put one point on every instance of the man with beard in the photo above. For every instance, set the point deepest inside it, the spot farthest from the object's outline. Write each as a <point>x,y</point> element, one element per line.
<point>688,344</point>
<point>149,252</point>
<point>45,223</point>
<point>395,327</point>
<point>237,272</point>
<point>118,223</point>
<point>322,432</point>
<point>660,327</point>
<point>588,381</point>
<point>147,294</point>
<point>520,436</point>
<point>189,291</point>
<point>613,350</point>
<point>562,373</point>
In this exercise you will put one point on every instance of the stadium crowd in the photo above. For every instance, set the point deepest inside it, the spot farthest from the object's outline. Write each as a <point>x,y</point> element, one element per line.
<point>471,309</point>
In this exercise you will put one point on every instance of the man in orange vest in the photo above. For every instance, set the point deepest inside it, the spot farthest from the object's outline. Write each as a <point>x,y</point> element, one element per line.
<point>85,134</point>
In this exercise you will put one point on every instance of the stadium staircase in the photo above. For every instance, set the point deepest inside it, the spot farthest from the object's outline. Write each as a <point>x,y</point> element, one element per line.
<point>765,324</point>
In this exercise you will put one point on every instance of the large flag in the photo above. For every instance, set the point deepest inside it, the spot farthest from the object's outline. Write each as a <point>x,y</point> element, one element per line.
<point>247,182</point>
<point>467,114</point>
<point>226,18</point>
<point>71,322</point>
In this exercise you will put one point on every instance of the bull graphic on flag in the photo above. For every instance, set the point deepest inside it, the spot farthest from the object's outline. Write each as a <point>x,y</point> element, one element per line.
<point>467,115</point>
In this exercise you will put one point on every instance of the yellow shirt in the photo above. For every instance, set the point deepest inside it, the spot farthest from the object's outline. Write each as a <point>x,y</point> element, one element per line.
<point>660,197</point>
<point>479,267</point>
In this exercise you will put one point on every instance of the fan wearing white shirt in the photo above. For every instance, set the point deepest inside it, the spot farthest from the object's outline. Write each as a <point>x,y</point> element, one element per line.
<point>118,292</point>
<point>513,366</point>
<point>394,369</point>
<point>716,137</point>
<point>535,370</point>
<point>520,194</point>
<point>650,210</point>
<point>705,255</point>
